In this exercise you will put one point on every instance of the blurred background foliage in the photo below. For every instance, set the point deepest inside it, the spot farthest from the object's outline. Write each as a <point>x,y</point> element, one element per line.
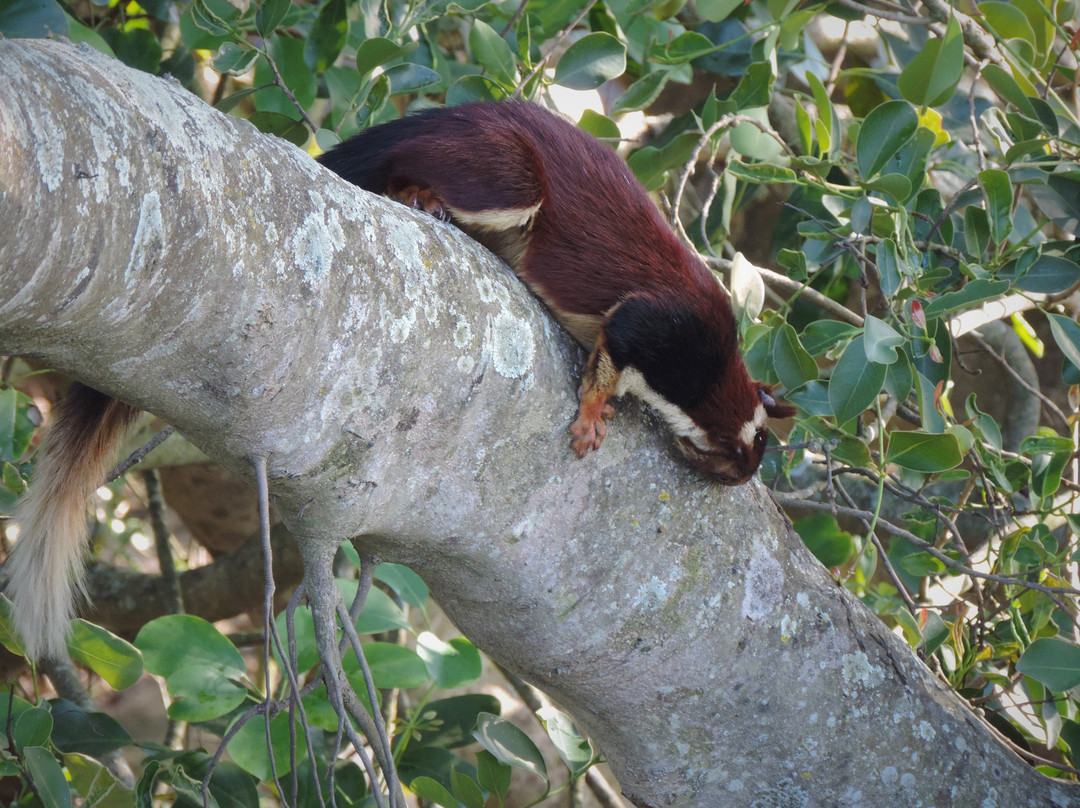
<point>891,192</point>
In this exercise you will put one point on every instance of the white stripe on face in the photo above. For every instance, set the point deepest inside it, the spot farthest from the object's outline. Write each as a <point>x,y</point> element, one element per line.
<point>631,381</point>
<point>750,428</point>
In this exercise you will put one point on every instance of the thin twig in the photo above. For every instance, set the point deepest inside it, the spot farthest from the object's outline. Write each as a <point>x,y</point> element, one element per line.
<point>140,453</point>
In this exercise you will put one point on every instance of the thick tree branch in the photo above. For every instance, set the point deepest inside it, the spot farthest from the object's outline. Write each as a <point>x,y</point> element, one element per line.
<point>405,389</point>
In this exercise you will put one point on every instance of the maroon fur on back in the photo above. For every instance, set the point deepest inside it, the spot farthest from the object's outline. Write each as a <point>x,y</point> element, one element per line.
<point>576,225</point>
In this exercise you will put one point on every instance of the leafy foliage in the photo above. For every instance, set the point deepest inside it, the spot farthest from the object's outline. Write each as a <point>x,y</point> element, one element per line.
<point>931,178</point>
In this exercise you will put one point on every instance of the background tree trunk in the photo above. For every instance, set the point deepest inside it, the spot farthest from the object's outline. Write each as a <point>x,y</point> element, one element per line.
<point>406,389</point>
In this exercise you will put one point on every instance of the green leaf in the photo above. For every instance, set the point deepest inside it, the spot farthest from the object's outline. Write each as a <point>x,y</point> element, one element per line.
<point>881,341</point>
<point>651,164</point>
<point>925,452</point>
<point>894,184</point>
<point>1067,336</point>
<point>47,777</point>
<point>882,134</point>
<point>1007,21</point>
<point>409,586</point>
<point>823,536</point>
<point>380,614</point>
<point>178,641</point>
<point>821,335</point>
<point>97,786</point>
<point>307,655</point>
<point>492,775</point>
<point>202,694</point>
<point>392,666</point>
<point>855,383</point>
<point>888,264</point>
<point>900,377</point>
<point>32,19</point>
<point>682,49</point>
<point>976,230</point>
<point>976,291</point>
<point>754,88</point>
<point>288,55</point>
<point>376,51</point>
<point>825,123</point>
<point>642,92</point>
<point>231,100</point>
<point>998,193</point>
<point>248,747</point>
<point>474,88</point>
<point>466,789</point>
<point>794,365</point>
<point>32,728</point>
<point>431,790</point>
<point>327,36</point>
<point>1007,87</point>
<point>281,125</point>
<point>931,77</point>
<point>453,664</point>
<point>922,564</point>
<point>234,60</point>
<point>270,15</point>
<point>409,77</point>
<point>592,60</point>
<point>750,141</point>
<point>1053,662</point>
<point>717,10</point>
<point>598,125</point>
<point>190,790</point>
<point>16,428</point>
<point>137,47</point>
<point>574,750</point>
<point>1048,275</point>
<point>492,52</point>
<point>509,744</point>
<point>115,660</point>
<point>87,733</point>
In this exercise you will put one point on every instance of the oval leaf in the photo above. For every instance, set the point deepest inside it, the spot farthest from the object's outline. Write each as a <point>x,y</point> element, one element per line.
<point>392,666</point>
<point>178,641</point>
<point>793,363</point>
<point>433,791</point>
<point>931,77</point>
<point>48,777</point>
<point>855,382</point>
<point>509,744</point>
<point>492,52</point>
<point>1053,662</point>
<point>452,664</point>
<point>574,750</point>
<point>884,132</point>
<point>409,586</point>
<point>926,452</point>
<point>591,61</point>
<point>115,660</point>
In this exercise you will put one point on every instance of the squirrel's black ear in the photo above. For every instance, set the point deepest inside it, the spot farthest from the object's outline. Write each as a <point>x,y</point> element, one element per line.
<point>772,409</point>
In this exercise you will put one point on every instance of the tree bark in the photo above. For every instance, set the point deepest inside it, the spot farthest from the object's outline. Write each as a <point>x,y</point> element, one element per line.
<point>406,389</point>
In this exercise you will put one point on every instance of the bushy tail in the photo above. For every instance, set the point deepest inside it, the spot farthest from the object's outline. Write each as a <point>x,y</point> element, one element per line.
<point>45,570</point>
